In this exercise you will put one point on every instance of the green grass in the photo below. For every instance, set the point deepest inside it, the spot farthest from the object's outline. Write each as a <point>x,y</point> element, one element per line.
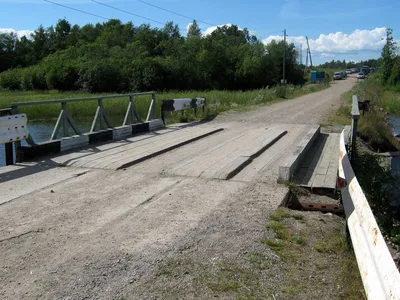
<point>217,102</point>
<point>335,244</point>
<point>280,214</point>
<point>372,125</point>
<point>273,244</point>
<point>391,101</point>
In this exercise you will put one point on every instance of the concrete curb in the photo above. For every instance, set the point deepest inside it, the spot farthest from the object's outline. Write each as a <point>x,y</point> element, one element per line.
<point>290,167</point>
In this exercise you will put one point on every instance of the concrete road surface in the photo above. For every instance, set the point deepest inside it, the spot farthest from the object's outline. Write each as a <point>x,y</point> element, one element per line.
<point>89,231</point>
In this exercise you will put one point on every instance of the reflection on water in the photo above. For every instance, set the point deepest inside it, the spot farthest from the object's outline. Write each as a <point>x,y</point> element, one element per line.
<point>394,124</point>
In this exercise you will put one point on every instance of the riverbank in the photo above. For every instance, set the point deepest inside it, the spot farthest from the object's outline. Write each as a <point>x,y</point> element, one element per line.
<point>377,174</point>
<point>217,101</point>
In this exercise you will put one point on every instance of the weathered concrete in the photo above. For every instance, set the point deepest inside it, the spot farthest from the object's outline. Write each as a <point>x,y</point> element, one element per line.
<point>290,166</point>
<point>319,171</point>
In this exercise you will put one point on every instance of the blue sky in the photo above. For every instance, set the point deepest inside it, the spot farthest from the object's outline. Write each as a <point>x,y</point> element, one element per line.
<point>351,30</point>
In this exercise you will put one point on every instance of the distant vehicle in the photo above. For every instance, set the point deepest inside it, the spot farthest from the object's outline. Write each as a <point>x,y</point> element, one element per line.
<point>344,74</point>
<point>372,69</point>
<point>365,70</point>
<point>348,71</point>
<point>361,75</point>
<point>317,76</point>
<point>354,70</point>
<point>338,76</point>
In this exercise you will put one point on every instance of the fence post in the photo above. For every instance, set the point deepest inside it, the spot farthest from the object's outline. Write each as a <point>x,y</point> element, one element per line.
<point>9,153</point>
<point>64,119</point>
<point>153,109</point>
<point>151,114</point>
<point>130,112</point>
<point>355,115</point>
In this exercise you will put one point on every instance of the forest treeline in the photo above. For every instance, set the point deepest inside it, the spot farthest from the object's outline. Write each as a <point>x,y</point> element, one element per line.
<point>120,57</point>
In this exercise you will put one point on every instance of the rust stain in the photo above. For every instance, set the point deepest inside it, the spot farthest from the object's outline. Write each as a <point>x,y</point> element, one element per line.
<point>375,239</point>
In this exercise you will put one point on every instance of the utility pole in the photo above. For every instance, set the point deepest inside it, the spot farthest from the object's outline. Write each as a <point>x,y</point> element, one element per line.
<point>284,54</point>
<point>301,54</point>
<point>309,51</point>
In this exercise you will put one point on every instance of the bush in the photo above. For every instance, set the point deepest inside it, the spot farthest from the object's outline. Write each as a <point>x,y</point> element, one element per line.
<point>62,77</point>
<point>379,186</point>
<point>100,76</point>
<point>281,91</point>
<point>11,79</point>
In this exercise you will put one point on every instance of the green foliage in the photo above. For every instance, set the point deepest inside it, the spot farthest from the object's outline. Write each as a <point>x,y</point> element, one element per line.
<point>373,124</point>
<point>395,73</point>
<point>11,79</point>
<point>379,186</point>
<point>334,66</point>
<point>388,55</point>
<point>117,57</point>
<point>217,101</point>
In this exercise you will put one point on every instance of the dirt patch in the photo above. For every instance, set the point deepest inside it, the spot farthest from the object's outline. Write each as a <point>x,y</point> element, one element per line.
<point>295,255</point>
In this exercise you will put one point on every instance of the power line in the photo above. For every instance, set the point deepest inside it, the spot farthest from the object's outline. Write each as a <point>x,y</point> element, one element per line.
<point>81,11</point>
<point>130,13</point>
<point>127,12</point>
<point>175,13</point>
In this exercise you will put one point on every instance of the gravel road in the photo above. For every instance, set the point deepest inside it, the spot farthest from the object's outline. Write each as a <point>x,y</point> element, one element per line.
<point>104,234</point>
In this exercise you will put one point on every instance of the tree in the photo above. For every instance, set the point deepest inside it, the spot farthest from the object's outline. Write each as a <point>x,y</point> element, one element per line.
<point>62,31</point>
<point>388,55</point>
<point>194,30</point>
<point>40,43</point>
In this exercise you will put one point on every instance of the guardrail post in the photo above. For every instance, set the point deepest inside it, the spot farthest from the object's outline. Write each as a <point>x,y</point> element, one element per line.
<point>101,115</point>
<point>355,115</point>
<point>151,115</point>
<point>154,107</point>
<point>64,119</point>
<point>8,147</point>
<point>130,113</point>
<point>61,120</point>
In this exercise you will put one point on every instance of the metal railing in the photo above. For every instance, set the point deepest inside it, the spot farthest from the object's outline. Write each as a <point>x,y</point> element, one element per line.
<point>64,118</point>
<point>378,271</point>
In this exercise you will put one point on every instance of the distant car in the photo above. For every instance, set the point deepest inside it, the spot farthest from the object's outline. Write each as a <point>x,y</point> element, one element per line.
<point>361,75</point>
<point>344,74</point>
<point>338,76</point>
<point>353,70</point>
<point>348,71</point>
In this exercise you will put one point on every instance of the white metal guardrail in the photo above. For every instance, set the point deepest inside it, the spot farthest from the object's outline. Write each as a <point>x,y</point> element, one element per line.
<point>379,274</point>
<point>12,129</point>
<point>180,104</point>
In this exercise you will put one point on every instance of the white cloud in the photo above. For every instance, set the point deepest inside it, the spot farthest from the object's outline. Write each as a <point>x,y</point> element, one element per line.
<point>328,45</point>
<point>20,33</point>
<point>210,30</point>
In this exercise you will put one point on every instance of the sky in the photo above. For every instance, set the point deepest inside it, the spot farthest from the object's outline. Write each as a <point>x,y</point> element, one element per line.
<point>337,29</point>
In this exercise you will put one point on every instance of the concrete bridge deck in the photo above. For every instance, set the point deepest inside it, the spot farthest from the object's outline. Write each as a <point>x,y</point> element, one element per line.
<point>97,223</point>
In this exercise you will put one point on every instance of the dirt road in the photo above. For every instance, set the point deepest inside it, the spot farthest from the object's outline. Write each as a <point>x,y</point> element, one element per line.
<point>106,234</point>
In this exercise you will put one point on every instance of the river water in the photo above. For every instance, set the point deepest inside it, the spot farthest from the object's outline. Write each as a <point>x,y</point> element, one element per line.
<point>41,132</point>
<point>394,125</point>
